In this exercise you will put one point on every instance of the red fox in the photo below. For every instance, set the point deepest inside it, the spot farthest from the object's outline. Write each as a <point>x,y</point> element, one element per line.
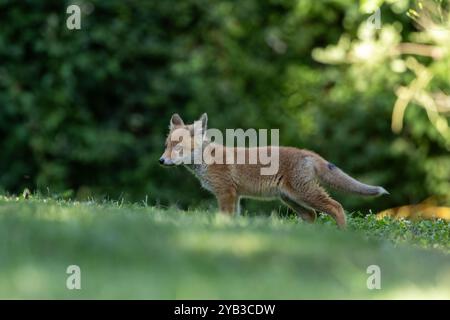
<point>297,181</point>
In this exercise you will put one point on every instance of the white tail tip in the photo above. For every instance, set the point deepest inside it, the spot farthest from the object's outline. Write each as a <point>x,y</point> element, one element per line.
<point>382,191</point>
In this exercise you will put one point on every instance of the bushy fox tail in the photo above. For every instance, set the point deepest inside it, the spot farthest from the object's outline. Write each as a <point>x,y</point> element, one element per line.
<point>331,175</point>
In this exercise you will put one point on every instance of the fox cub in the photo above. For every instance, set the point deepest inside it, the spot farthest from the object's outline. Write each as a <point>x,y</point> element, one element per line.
<point>297,182</point>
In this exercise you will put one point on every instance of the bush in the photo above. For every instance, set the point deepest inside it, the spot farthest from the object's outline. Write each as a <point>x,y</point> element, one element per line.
<point>85,112</point>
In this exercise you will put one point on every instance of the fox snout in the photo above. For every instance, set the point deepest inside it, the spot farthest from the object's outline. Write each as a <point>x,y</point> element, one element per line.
<point>165,162</point>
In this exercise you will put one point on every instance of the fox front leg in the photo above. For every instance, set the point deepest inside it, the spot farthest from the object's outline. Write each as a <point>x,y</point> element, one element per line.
<point>228,202</point>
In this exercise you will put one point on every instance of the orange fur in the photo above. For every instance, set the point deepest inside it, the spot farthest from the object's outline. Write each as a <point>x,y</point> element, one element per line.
<point>417,212</point>
<point>297,182</point>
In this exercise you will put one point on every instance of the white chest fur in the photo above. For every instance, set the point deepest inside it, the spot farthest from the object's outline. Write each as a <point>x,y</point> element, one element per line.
<point>200,171</point>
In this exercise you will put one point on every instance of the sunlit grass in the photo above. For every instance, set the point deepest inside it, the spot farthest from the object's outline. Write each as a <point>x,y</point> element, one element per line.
<point>136,251</point>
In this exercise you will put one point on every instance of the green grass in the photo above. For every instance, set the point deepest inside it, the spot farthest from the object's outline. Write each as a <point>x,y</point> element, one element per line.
<point>138,252</point>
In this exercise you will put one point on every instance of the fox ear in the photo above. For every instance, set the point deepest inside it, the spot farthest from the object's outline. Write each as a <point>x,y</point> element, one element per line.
<point>176,121</point>
<point>204,120</point>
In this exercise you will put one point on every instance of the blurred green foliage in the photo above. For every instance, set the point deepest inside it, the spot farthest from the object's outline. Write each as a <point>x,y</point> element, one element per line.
<point>85,112</point>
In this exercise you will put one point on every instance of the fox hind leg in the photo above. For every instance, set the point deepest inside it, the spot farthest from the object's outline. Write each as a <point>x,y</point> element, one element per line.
<point>307,214</point>
<point>316,197</point>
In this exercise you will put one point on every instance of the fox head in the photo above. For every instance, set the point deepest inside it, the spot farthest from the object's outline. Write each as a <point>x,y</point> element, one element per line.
<point>184,142</point>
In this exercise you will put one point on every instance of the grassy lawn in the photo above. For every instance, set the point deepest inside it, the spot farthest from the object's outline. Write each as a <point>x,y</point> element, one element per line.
<point>133,251</point>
